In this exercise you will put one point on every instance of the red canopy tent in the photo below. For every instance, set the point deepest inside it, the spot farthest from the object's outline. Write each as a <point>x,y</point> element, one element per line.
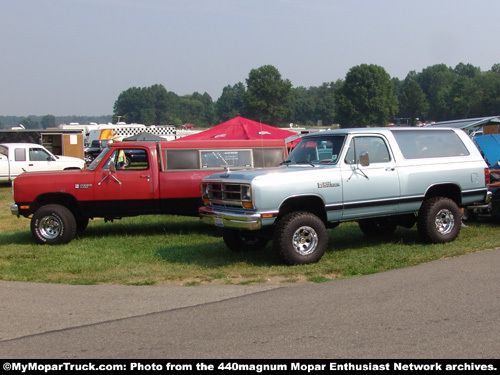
<point>243,128</point>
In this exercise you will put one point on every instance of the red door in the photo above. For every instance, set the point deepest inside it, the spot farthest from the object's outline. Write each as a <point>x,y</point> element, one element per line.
<point>125,184</point>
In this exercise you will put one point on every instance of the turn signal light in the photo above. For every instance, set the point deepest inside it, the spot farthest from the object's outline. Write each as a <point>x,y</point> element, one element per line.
<point>247,205</point>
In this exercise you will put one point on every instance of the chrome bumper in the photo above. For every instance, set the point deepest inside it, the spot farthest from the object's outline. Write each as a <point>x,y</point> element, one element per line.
<point>230,220</point>
<point>14,209</point>
<point>486,204</point>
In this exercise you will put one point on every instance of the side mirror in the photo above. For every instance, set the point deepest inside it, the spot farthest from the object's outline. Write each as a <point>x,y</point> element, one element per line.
<point>112,167</point>
<point>364,159</point>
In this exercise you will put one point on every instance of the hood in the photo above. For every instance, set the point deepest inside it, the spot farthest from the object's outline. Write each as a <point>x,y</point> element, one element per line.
<point>67,159</point>
<point>260,173</point>
<point>57,177</point>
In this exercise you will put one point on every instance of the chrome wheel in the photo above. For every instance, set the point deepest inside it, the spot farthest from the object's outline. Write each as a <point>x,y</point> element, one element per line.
<point>305,240</point>
<point>444,221</point>
<point>53,224</point>
<point>50,227</point>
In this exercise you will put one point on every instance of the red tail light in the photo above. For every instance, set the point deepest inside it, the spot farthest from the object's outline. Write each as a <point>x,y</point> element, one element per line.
<point>486,176</point>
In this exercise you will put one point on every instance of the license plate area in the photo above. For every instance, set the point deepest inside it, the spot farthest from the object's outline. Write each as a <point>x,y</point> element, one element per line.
<point>218,221</point>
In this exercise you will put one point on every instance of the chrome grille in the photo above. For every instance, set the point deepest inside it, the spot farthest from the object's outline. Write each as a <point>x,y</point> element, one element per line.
<point>224,194</point>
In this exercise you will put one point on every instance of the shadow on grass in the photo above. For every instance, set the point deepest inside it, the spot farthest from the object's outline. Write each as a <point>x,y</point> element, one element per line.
<point>132,228</point>
<point>215,255</point>
<point>148,228</point>
<point>17,238</point>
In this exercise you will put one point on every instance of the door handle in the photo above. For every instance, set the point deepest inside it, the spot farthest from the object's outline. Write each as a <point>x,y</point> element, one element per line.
<point>390,169</point>
<point>145,176</point>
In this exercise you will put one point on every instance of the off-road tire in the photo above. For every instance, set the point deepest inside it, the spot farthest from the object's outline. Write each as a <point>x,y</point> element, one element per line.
<point>439,220</point>
<point>244,240</point>
<point>53,224</point>
<point>300,238</point>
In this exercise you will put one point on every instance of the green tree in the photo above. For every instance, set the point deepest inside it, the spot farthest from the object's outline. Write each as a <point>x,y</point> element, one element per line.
<point>303,110</point>
<point>412,101</point>
<point>436,82</point>
<point>197,109</point>
<point>30,122</point>
<point>324,102</point>
<point>463,98</point>
<point>231,103</point>
<point>489,84</point>
<point>366,97</point>
<point>269,97</point>
<point>48,121</point>
<point>146,105</point>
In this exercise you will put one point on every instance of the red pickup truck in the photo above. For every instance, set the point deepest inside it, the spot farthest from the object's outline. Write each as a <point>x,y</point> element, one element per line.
<point>130,179</point>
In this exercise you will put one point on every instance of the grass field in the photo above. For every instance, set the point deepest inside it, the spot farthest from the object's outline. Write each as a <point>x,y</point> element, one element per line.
<point>156,250</point>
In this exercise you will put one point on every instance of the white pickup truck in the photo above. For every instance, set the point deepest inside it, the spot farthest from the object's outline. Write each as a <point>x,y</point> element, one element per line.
<point>16,158</point>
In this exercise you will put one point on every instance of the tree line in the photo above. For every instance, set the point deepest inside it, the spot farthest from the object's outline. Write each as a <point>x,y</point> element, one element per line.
<point>368,96</point>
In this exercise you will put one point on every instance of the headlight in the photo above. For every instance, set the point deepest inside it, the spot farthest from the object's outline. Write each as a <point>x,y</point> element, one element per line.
<point>246,193</point>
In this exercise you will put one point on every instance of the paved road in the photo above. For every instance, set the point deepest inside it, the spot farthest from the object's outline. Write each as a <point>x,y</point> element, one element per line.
<point>444,309</point>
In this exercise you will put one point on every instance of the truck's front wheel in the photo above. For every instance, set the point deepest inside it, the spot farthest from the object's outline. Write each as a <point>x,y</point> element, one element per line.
<point>439,220</point>
<point>53,224</point>
<point>300,238</point>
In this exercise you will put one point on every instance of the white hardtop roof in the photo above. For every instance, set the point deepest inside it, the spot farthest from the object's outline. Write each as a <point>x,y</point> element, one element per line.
<point>21,144</point>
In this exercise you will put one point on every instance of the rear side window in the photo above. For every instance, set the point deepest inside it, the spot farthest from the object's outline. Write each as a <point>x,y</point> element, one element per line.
<point>207,159</point>
<point>20,154</point>
<point>430,144</point>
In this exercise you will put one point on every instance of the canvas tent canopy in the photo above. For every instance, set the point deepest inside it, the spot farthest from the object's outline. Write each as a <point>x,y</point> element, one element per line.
<point>144,136</point>
<point>243,128</point>
<point>470,124</point>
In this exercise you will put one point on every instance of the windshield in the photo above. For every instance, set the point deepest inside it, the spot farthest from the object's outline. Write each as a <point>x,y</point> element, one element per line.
<point>98,159</point>
<point>316,150</point>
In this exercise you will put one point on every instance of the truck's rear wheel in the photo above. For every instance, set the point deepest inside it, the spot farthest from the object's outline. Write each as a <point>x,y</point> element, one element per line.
<point>240,240</point>
<point>300,238</point>
<point>439,220</point>
<point>53,224</point>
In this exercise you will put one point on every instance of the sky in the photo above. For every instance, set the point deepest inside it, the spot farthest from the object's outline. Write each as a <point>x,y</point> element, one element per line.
<point>75,57</point>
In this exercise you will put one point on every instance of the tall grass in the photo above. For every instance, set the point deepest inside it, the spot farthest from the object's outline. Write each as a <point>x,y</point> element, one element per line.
<point>155,250</point>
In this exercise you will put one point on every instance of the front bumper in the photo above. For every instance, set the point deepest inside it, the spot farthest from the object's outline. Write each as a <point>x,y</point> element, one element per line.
<point>224,219</point>
<point>14,209</point>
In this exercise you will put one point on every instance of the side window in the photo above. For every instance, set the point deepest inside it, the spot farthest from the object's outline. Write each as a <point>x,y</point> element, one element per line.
<point>268,157</point>
<point>128,160</point>
<point>182,159</point>
<point>20,154</point>
<point>207,159</point>
<point>374,146</point>
<point>226,158</point>
<point>430,144</point>
<point>39,154</point>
